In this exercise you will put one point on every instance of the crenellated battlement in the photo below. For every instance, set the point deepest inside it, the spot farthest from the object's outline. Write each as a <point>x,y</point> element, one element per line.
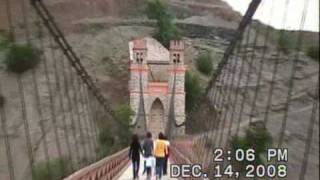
<point>176,45</point>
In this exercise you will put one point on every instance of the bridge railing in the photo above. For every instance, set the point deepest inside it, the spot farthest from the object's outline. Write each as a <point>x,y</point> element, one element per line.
<point>107,168</point>
<point>188,151</point>
<point>264,93</point>
<point>51,110</point>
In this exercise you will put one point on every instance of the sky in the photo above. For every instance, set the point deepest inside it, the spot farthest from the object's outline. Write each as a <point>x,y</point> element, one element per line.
<point>275,17</point>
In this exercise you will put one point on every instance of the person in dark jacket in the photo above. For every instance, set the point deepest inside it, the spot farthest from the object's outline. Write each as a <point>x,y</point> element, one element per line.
<point>134,155</point>
<point>148,152</point>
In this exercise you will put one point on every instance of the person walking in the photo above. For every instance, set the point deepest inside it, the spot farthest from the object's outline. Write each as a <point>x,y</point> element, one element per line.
<point>160,151</point>
<point>134,155</point>
<point>165,164</point>
<point>148,154</point>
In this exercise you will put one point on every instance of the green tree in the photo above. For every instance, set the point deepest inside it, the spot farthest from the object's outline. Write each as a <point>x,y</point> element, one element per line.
<point>166,28</point>
<point>205,63</point>
<point>193,90</point>
<point>156,9</point>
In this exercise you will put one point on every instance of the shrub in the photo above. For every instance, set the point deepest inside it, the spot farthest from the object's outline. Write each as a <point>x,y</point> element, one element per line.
<point>285,42</point>
<point>204,63</point>
<point>106,140</point>
<point>4,42</point>
<point>123,116</point>
<point>1,101</point>
<point>193,90</point>
<point>113,139</point>
<point>313,52</point>
<point>257,137</point>
<point>55,169</point>
<point>95,27</point>
<point>166,28</point>
<point>105,137</point>
<point>21,58</point>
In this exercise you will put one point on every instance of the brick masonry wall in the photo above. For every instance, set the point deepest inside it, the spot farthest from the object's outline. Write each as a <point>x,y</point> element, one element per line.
<point>165,99</point>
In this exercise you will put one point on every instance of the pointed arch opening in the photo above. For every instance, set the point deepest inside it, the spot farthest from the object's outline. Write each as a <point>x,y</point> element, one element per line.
<point>156,122</point>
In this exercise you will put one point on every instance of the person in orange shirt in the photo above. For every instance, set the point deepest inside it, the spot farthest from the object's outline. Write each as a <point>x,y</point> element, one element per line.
<point>165,165</point>
<point>160,151</point>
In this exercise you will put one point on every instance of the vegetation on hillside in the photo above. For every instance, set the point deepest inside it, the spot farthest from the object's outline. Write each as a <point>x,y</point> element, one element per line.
<point>166,28</point>
<point>313,52</point>
<point>123,116</point>
<point>205,63</point>
<point>55,169</point>
<point>193,90</point>
<point>4,41</point>
<point>1,101</point>
<point>285,42</point>
<point>106,141</point>
<point>20,58</point>
<point>288,39</point>
<point>117,137</point>
<point>258,138</point>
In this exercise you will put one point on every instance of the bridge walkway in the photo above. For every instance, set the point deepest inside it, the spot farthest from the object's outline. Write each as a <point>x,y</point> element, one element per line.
<point>127,174</point>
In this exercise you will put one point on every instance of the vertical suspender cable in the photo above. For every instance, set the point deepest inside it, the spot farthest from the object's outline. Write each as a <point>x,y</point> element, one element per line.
<point>315,108</point>
<point>51,98</point>
<point>70,108</point>
<point>3,117</point>
<point>4,128</point>
<point>247,77</point>
<point>60,93</point>
<point>276,65</point>
<point>76,106</point>
<point>23,104</point>
<point>293,71</point>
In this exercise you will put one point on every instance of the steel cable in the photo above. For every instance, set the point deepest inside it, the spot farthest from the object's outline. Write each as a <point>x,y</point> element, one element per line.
<point>292,73</point>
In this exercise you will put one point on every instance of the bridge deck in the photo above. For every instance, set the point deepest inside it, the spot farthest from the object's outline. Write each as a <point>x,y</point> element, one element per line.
<point>127,174</point>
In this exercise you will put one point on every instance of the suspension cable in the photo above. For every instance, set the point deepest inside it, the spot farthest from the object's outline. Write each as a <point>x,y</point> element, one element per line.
<point>293,71</point>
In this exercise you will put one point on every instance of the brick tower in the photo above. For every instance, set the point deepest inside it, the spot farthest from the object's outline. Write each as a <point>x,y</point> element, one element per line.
<point>177,69</point>
<point>157,67</point>
<point>138,69</point>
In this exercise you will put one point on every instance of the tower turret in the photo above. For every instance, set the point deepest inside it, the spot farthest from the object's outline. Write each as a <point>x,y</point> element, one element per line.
<point>177,80</point>
<point>176,52</point>
<point>138,68</point>
<point>139,51</point>
<point>138,64</point>
<point>177,65</point>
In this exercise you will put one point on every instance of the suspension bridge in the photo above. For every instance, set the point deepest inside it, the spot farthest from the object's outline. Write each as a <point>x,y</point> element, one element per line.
<point>57,108</point>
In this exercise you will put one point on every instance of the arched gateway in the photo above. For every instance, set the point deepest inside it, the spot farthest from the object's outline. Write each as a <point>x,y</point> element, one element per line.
<point>153,72</point>
<point>156,121</point>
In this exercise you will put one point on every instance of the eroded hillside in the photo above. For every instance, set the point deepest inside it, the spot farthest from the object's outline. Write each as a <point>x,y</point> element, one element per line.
<point>99,32</point>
